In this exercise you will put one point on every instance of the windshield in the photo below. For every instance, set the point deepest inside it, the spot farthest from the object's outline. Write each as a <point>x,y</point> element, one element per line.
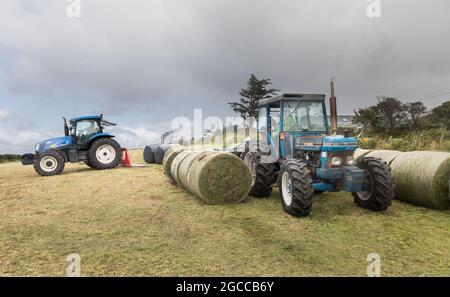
<point>304,116</point>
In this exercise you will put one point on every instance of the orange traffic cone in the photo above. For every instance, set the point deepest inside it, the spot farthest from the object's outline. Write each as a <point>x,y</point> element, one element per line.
<point>126,160</point>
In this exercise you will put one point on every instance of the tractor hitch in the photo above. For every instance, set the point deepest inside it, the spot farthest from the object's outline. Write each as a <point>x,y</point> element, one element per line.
<point>27,159</point>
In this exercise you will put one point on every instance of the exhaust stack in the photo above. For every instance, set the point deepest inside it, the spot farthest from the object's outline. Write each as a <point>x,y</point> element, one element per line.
<point>333,109</point>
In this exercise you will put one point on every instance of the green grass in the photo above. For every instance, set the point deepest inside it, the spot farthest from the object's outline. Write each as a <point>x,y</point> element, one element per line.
<point>134,222</point>
<point>425,140</point>
<point>9,158</point>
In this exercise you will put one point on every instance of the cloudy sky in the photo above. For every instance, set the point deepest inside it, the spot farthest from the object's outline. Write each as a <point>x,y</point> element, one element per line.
<point>143,63</point>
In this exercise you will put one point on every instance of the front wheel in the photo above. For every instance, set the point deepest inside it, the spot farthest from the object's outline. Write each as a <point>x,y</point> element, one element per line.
<point>49,164</point>
<point>296,188</point>
<point>104,153</point>
<point>380,187</point>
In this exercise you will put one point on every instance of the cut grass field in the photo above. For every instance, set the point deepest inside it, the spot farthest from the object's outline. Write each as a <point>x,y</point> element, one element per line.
<point>133,222</point>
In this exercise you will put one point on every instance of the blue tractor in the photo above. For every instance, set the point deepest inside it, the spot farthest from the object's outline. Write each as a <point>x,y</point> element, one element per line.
<point>83,141</point>
<point>297,150</point>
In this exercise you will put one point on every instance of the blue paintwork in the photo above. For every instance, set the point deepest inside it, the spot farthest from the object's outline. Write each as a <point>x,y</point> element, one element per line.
<point>54,143</point>
<point>353,179</point>
<point>96,117</point>
<point>324,187</point>
<point>339,143</point>
<point>100,135</point>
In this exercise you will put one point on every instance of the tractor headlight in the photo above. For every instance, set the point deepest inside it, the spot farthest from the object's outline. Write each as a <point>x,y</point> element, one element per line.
<point>37,147</point>
<point>350,160</point>
<point>336,161</point>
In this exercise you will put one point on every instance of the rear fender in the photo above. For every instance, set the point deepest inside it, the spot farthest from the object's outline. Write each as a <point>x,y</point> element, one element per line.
<point>98,136</point>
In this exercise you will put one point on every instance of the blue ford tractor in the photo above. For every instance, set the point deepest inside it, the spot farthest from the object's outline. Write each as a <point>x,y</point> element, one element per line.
<point>297,151</point>
<point>83,141</point>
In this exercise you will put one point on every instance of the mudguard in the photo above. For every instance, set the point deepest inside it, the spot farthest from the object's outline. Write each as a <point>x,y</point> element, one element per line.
<point>99,135</point>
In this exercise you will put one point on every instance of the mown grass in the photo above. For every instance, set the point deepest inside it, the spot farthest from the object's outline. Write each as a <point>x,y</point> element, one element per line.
<point>133,222</point>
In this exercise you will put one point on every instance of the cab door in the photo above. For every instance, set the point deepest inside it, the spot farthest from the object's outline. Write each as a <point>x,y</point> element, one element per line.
<point>274,129</point>
<point>84,131</point>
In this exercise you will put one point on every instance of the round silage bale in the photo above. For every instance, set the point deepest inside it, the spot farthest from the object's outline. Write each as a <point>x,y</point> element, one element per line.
<point>169,156</point>
<point>149,155</point>
<point>219,178</point>
<point>422,178</point>
<point>175,166</point>
<point>184,168</point>
<point>385,155</point>
<point>360,153</point>
<point>159,151</point>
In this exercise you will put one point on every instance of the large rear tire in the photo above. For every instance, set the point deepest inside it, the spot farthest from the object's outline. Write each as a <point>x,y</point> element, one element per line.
<point>381,190</point>
<point>104,153</point>
<point>296,188</point>
<point>49,164</point>
<point>263,176</point>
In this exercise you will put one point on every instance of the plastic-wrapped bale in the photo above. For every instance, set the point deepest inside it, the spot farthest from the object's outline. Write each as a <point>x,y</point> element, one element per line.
<point>149,155</point>
<point>160,151</point>
<point>423,178</point>
<point>219,178</point>
<point>169,157</point>
<point>175,166</point>
<point>385,155</point>
<point>360,153</point>
<point>184,169</point>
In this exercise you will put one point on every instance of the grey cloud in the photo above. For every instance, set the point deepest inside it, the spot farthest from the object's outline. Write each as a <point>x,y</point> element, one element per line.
<point>167,57</point>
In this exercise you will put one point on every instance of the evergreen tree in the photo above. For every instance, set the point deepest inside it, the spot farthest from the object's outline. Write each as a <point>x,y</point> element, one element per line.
<point>256,90</point>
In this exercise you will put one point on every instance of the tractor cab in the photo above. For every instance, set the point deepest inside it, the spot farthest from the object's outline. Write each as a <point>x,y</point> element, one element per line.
<point>83,129</point>
<point>297,150</point>
<point>288,118</point>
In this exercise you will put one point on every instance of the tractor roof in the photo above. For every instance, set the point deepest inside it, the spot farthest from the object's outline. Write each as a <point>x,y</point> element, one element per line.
<point>97,117</point>
<point>293,97</point>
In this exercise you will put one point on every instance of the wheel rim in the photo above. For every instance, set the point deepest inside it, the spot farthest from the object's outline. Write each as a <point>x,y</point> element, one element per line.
<point>249,160</point>
<point>105,154</point>
<point>286,188</point>
<point>48,163</point>
<point>365,195</point>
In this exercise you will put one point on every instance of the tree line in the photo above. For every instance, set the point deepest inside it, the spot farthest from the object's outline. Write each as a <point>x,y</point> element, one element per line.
<point>390,115</point>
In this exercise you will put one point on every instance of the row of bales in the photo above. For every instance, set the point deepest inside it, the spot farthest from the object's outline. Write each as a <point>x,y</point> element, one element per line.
<point>421,178</point>
<point>214,177</point>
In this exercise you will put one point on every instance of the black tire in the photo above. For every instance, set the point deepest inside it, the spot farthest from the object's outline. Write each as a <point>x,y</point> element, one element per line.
<point>264,176</point>
<point>381,185</point>
<point>89,164</point>
<point>54,166</point>
<point>107,163</point>
<point>149,155</point>
<point>301,188</point>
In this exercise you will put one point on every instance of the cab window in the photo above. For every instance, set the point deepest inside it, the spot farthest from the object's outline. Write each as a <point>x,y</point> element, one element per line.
<point>304,116</point>
<point>85,130</point>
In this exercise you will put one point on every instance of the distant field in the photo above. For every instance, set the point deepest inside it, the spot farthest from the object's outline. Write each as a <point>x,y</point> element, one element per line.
<point>134,222</point>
